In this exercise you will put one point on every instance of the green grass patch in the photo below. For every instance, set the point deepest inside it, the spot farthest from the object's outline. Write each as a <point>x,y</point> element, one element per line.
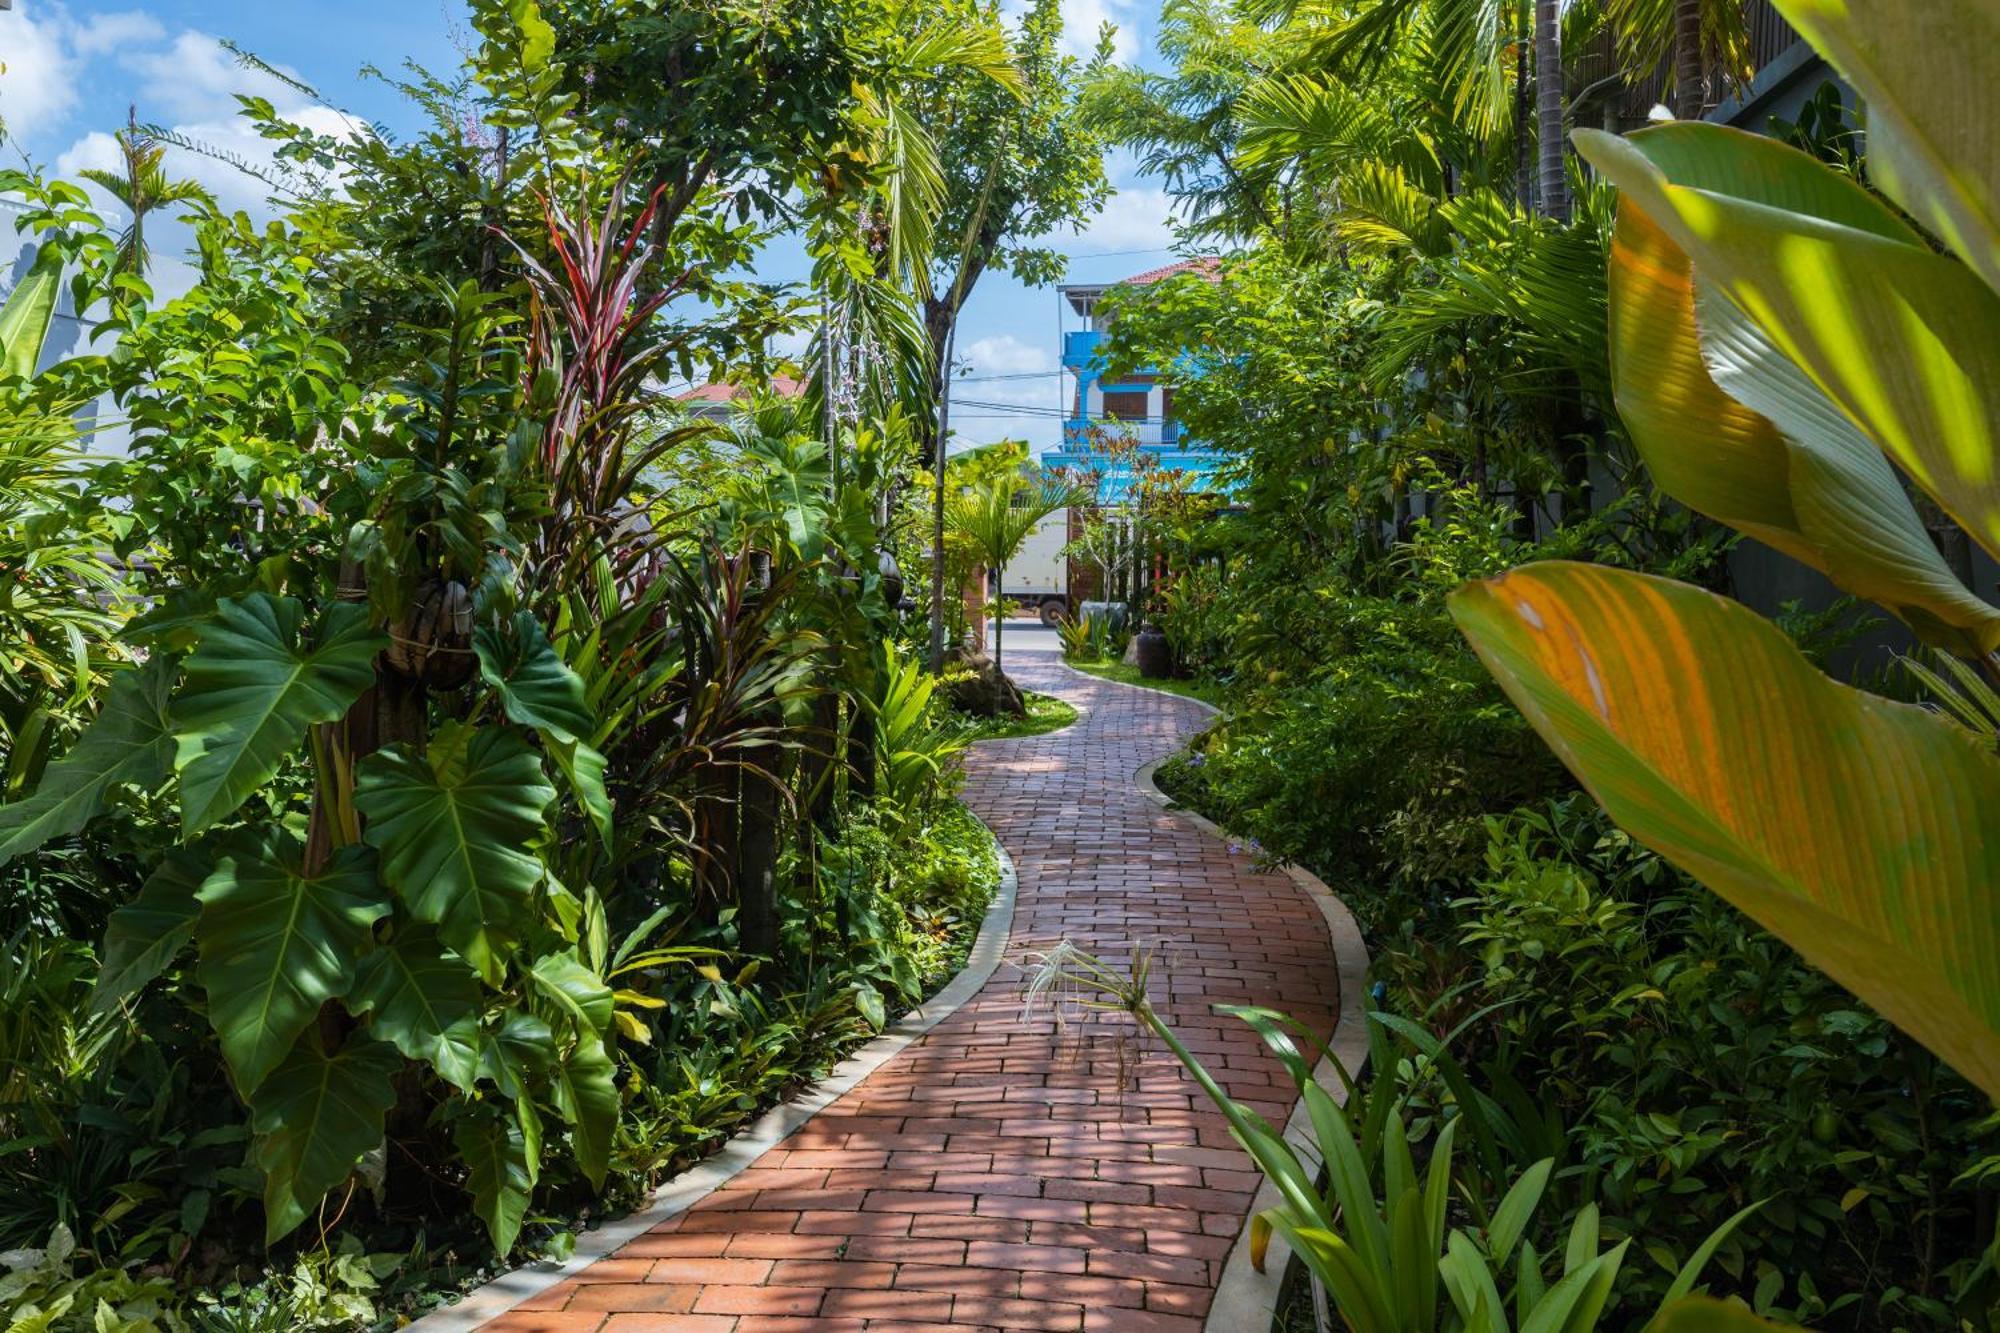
<point>1045,713</point>
<point>1205,690</point>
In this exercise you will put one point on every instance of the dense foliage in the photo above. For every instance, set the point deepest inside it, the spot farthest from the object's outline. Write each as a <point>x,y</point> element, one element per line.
<point>1409,363</point>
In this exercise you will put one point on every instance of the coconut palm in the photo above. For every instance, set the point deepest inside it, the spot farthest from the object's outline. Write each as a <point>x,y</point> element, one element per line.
<point>140,187</point>
<point>996,515</point>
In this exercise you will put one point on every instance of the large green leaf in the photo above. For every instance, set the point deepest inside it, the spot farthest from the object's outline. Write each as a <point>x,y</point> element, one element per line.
<point>1889,329</point>
<point>252,689</point>
<point>571,989</point>
<point>1730,427</point>
<point>454,827</point>
<point>143,937</point>
<point>314,1119</point>
<point>587,1095</point>
<point>30,309</point>
<point>277,943</point>
<point>1854,828</point>
<point>422,998</point>
<point>536,687</point>
<point>129,744</point>
<point>1929,72</point>
<point>1703,1314</point>
<point>496,1162</point>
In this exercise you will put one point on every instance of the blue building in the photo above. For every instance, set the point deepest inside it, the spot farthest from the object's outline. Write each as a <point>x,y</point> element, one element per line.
<point>1137,405</point>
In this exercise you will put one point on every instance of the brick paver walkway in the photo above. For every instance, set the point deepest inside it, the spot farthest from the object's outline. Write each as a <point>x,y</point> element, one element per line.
<point>990,1177</point>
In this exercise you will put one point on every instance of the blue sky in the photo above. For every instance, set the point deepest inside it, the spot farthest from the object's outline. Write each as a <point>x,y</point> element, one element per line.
<point>72,67</point>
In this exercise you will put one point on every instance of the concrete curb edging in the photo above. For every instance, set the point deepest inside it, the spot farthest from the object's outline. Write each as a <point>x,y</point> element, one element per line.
<point>676,1196</point>
<point>1246,1301</point>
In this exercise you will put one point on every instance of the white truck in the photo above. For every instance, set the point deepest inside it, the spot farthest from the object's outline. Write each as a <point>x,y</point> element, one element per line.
<point>1038,576</point>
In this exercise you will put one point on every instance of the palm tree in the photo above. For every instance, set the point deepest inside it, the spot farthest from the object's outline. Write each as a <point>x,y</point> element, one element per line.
<point>1693,36</point>
<point>996,515</point>
<point>1550,140</point>
<point>141,187</point>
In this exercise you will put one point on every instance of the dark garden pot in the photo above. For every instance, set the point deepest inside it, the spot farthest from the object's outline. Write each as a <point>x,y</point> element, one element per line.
<point>1156,658</point>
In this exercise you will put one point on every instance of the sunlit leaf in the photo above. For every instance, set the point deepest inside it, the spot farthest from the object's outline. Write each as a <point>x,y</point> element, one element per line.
<point>277,943</point>
<point>129,744</point>
<point>1853,827</point>
<point>423,999</point>
<point>27,314</point>
<point>1730,427</point>
<point>1887,328</point>
<point>252,688</point>
<point>1928,73</point>
<point>454,825</point>
<point>587,1096</point>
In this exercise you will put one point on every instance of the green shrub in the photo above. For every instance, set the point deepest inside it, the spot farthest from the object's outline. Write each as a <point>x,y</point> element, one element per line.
<point>1703,1065</point>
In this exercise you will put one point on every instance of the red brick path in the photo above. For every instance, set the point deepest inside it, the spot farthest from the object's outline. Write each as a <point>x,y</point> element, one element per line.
<point>989,1177</point>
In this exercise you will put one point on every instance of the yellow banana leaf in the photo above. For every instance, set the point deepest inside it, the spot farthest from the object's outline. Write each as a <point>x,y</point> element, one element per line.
<point>1860,830</point>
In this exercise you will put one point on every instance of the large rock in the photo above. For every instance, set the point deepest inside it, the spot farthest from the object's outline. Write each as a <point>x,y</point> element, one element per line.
<point>978,687</point>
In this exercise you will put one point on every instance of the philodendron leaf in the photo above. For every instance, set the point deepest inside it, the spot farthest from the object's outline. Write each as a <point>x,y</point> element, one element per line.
<point>277,943</point>
<point>496,1162</point>
<point>572,990</point>
<point>454,826</point>
<point>1727,425</point>
<point>314,1119</point>
<point>536,687</point>
<point>251,690</point>
<point>1854,828</point>
<point>1703,1314</point>
<point>1890,330</point>
<point>587,1096</point>
<point>129,744</point>
<point>142,938</point>
<point>423,999</point>
<point>1924,71</point>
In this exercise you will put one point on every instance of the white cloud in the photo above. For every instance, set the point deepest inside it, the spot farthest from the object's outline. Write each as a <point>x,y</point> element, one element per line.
<point>38,83</point>
<point>1138,217</point>
<point>104,33</point>
<point>1084,19</point>
<point>194,78</point>
<point>1007,355</point>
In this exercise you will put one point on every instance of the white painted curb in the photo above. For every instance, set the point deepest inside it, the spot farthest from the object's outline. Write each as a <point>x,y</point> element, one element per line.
<point>503,1293</point>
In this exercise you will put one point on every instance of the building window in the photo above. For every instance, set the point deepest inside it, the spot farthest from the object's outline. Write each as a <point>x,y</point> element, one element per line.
<point>1127,405</point>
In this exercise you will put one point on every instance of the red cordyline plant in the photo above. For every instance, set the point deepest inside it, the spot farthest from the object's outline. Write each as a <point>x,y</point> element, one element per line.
<point>591,354</point>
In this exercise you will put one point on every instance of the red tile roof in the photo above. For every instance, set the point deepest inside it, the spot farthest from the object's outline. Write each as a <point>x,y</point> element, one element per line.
<point>782,385</point>
<point>1208,266</point>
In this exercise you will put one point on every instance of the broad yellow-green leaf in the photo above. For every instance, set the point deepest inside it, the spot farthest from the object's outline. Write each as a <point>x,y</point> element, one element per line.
<point>1929,72</point>
<point>454,826</point>
<point>277,943</point>
<point>1730,427</point>
<point>1857,829</point>
<point>1902,338</point>
<point>251,690</point>
<point>314,1118</point>
<point>1700,1314</point>
<point>30,309</point>
<point>128,744</point>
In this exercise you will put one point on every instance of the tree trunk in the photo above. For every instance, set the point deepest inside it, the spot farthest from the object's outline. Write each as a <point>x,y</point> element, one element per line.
<point>755,871</point>
<point>937,459</point>
<point>1690,75</point>
<point>1549,109</point>
<point>1524,161</point>
<point>999,597</point>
